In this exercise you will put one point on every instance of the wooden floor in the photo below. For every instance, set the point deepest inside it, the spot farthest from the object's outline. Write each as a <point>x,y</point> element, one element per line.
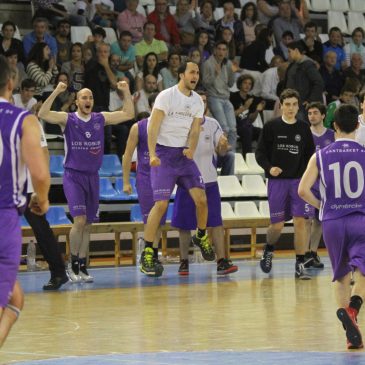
<point>127,318</point>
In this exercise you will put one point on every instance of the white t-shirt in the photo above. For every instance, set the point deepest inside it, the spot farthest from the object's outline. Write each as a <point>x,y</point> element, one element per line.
<point>205,155</point>
<point>106,4</point>
<point>18,102</point>
<point>360,132</point>
<point>180,111</point>
<point>30,188</point>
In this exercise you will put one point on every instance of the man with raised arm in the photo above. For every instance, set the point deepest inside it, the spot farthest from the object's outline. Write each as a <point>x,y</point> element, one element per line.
<point>19,149</point>
<point>84,146</point>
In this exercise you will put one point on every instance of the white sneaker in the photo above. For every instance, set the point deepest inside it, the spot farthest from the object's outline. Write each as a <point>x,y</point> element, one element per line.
<point>72,276</point>
<point>85,277</point>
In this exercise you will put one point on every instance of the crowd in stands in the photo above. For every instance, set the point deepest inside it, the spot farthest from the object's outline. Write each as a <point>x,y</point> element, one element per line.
<point>247,56</point>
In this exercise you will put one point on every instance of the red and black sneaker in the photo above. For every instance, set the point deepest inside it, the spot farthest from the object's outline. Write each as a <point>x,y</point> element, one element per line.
<point>347,316</point>
<point>184,267</point>
<point>225,266</point>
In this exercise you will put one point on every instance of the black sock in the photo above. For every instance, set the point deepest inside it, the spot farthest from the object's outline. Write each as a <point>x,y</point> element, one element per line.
<point>269,248</point>
<point>300,258</point>
<point>155,252</point>
<point>82,262</point>
<point>355,302</point>
<point>147,244</point>
<point>200,233</point>
<point>75,264</point>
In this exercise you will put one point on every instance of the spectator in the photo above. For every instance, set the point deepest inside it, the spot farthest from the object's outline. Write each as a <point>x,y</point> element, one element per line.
<point>312,47</point>
<point>249,20</point>
<point>114,62</point>
<point>104,13</point>
<point>185,23</point>
<point>132,21</point>
<point>149,67</point>
<point>267,10</point>
<point>17,67</point>
<point>39,34</point>
<point>87,53</point>
<point>335,43</point>
<point>141,96</point>
<point>63,41</point>
<point>42,69</point>
<point>166,27</point>
<point>332,78</point>
<point>125,50</point>
<point>202,44</point>
<point>227,36</point>
<point>85,10</point>
<point>246,109</point>
<point>356,71</point>
<point>75,68</point>
<point>97,38</point>
<point>150,44</point>
<point>356,46</point>
<point>282,48</point>
<point>205,19</point>
<point>286,22</point>
<point>7,41</point>
<point>303,76</point>
<point>230,20</point>
<point>218,77</point>
<point>169,74</point>
<point>25,99</point>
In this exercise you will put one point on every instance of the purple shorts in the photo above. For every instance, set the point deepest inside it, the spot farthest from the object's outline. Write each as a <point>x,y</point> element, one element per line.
<point>145,196</point>
<point>82,194</point>
<point>175,168</point>
<point>284,201</point>
<point>345,242</point>
<point>10,248</point>
<point>184,215</point>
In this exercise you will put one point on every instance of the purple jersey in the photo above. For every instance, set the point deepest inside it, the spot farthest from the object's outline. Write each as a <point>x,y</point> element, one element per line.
<point>84,143</point>
<point>12,169</point>
<point>143,163</point>
<point>341,172</point>
<point>323,140</point>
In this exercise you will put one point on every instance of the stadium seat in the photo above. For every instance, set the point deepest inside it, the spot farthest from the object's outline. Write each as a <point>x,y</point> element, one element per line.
<point>107,192</point>
<point>150,9</point>
<point>23,222</point>
<point>355,19</point>
<point>110,166</point>
<point>268,115</point>
<point>57,216</point>
<point>240,166</point>
<point>121,193</point>
<point>111,36</point>
<point>340,5</point>
<point>141,10</point>
<point>136,213</point>
<point>321,5</point>
<point>337,19</point>
<point>252,164</point>
<point>323,37</point>
<point>80,34</point>
<point>227,211</point>
<point>357,5</point>
<point>229,186</point>
<point>309,5</point>
<point>56,165</point>
<point>253,185</point>
<point>246,210</point>
<point>264,209</point>
<point>218,13</point>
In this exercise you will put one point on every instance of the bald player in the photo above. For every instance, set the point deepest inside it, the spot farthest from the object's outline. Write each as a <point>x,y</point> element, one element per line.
<point>84,145</point>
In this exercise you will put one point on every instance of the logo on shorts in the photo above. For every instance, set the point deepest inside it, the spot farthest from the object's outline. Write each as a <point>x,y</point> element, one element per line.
<point>297,137</point>
<point>97,126</point>
<point>345,145</point>
<point>87,134</point>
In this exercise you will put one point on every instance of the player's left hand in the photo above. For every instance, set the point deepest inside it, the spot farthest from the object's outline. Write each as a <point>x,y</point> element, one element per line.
<point>123,86</point>
<point>189,153</point>
<point>222,147</point>
<point>38,207</point>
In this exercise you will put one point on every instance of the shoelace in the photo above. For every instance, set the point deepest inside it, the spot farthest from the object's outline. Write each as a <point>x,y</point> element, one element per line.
<point>268,258</point>
<point>148,258</point>
<point>205,244</point>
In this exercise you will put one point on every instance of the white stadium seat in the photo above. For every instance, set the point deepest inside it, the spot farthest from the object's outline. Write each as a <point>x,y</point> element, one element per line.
<point>357,5</point>
<point>80,34</point>
<point>227,211</point>
<point>240,166</point>
<point>252,164</point>
<point>264,209</point>
<point>337,19</point>
<point>229,186</point>
<point>111,36</point>
<point>340,5</point>
<point>246,210</point>
<point>321,5</point>
<point>254,185</point>
<point>355,19</point>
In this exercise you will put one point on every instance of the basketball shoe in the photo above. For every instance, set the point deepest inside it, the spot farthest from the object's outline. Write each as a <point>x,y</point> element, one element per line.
<point>225,266</point>
<point>149,265</point>
<point>347,316</point>
<point>184,267</point>
<point>205,247</point>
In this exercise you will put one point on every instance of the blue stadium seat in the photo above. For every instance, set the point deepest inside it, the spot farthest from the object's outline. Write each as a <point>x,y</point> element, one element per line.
<point>57,216</point>
<point>119,189</point>
<point>110,166</point>
<point>107,192</point>
<point>136,214</point>
<point>56,165</point>
<point>23,222</point>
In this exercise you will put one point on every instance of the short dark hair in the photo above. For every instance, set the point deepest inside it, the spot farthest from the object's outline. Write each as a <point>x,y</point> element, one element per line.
<point>288,33</point>
<point>143,115</point>
<point>357,30</point>
<point>100,31</point>
<point>220,43</point>
<point>317,105</point>
<point>173,53</point>
<point>346,118</point>
<point>63,21</point>
<point>7,23</point>
<point>297,45</point>
<point>5,72</point>
<point>243,78</point>
<point>289,93</point>
<point>183,66</point>
<point>151,99</point>
<point>27,84</point>
<point>148,23</point>
<point>334,29</point>
<point>310,25</point>
<point>125,33</point>
<point>11,52</point>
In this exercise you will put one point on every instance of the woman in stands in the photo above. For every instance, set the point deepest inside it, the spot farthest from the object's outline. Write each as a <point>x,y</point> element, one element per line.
<point>249,21</point>
<point>75,67</point>
<point>7,41</point>
<point>149,67</point>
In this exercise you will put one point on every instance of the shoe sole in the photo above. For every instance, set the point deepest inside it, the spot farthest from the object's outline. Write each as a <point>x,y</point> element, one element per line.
<point>183,273</point>
<point>155,274</point>
<point>231,270</point>
<point>205,256</point>
<point>302,277</point>
<point>64,281</point>
<point>352,332</point>
<point>264,270</point>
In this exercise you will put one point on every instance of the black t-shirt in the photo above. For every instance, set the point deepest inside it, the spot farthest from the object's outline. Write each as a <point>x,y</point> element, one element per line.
<point>288,146</point>
<point>237,100</point>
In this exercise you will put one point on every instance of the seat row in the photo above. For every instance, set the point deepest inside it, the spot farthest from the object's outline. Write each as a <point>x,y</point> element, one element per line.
<point>337,5</point>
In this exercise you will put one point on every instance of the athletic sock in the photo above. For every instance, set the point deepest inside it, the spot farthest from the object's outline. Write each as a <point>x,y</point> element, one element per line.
<point>200,233</point>
<point>355,302</point>
<point>155,252</point>
<point>75,264</point>
<point>269,247</point>
<point>147,244</point>
<point>300,258</point>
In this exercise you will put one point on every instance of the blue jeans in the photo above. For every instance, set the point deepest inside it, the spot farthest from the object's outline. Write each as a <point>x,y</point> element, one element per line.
<point>222,110</point>
<point>226,162</point>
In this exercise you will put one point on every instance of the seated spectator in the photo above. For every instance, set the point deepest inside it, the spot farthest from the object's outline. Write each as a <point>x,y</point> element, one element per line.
<point>132,21</point>
<point>75,68</point>
<point>246,109</point>
<point>17,67</point>
<point>87,53</point>
<point>114,62</point>
<point>25,99</point>
<point>202,44</point>
<point>312,46</point>
<point>65,101</point>
<point>166,27</point>
<point>356,46</point>
<point>185,23</point>
<point>356,71</point>
<point>267,10</point>
<point>39,34</point>
<point>335,43</point>
<point>149,67</point>
<point>249,18</point>
<point>97,38</point>
<point>141,96</point>
<point>150,44</point>
<point>63,42</point>
<point>85,10</point>
<point>104,13</point>
<point>42,69</point>
<point>282,48</point>
<point>332,78</point>
<point>230,20</point>
<point>227,36</point>
<point>169,74</point>
<point>287,22</point>
<point>7,41</point>
<point>125,50</point>
<point>205,19</point>
<point>258,54</point>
